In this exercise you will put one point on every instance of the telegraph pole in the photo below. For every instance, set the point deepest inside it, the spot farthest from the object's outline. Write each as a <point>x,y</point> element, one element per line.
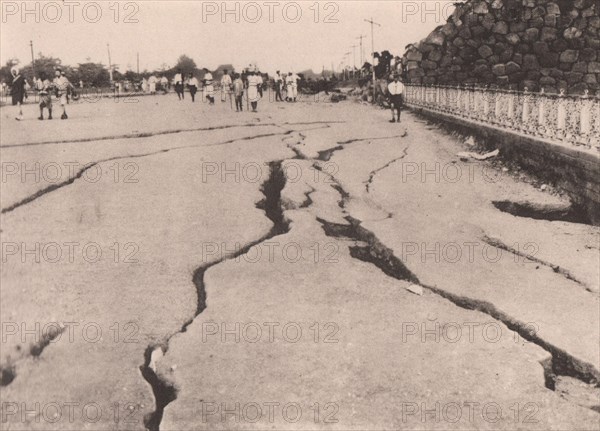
<point>110,71</point>
<point>373,53</point>
<point>362,61</point>
<point>354,63</point>
<point>32,59</point>
<point>138,63</point>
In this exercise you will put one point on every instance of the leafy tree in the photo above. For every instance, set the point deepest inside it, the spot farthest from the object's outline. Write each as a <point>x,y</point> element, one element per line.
<point>94,74</point>
<point>185,63</point>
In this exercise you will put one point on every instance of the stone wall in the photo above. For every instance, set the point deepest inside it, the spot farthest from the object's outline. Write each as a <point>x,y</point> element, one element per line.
<point>549,44</point>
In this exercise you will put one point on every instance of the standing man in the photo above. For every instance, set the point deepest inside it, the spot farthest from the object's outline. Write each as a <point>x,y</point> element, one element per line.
<point>62,85</point>
<point>152,84</point>
<point>260,81</point>
<point>396,90</point>
<point>178,81</point>
<point>17,91</point>
<point>225,86</point>
<point>238,91</point>
<point>193,86</point>
<point>295,79</point>
<point>209,89</point>
<point>278,86</point>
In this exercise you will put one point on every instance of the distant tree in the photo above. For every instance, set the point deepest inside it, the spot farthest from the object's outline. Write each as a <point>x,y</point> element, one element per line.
<point>46,64</point>
<point>187,64</point>
<point>131,76</point>
<point>94,74</point>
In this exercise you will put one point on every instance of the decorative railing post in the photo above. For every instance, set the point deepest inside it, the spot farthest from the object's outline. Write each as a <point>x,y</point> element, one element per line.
<point>541,114</point>
<point>511,107</point>
<point>586,115</point>
<point>525,113</point>
<point>561,114</point>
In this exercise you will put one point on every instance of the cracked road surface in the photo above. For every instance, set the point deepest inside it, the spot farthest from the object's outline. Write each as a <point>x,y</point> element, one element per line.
<point>169,266</point>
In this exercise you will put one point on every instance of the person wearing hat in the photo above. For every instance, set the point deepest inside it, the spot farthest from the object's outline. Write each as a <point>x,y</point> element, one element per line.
<point>396,91</point>
<point>17,91</point>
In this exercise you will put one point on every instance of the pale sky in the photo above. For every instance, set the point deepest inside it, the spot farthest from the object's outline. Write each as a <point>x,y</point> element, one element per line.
<point>166,29</point>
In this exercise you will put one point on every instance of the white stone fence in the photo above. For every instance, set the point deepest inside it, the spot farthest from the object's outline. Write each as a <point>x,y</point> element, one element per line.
<point>573,120</point>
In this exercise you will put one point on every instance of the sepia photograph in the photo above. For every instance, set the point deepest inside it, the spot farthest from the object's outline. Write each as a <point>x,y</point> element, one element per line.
<point>356,215</point>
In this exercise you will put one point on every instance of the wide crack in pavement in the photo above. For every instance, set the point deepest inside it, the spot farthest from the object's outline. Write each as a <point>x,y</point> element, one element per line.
<point>164,391</point>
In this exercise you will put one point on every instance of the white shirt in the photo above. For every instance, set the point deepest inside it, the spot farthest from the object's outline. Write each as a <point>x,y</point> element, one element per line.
<point>226,80</point>
<point>208,78</point>
<point>193,82</point>
<point>395,88</point>
<point>178,79</point>
<point>253,80</point>
<point>259,79</point>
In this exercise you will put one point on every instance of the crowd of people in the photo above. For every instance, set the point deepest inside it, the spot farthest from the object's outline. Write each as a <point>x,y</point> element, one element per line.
<point>59,86</point>
<point>233,87</point>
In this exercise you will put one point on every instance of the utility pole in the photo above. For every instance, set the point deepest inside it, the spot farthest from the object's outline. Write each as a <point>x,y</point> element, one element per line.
<point>373,53</point>
<point>32,58</point>
<point>138,63</point>
<point>110,71</point>
<point>354,62</point>
<point>362,61</point>
<point>346,55</point>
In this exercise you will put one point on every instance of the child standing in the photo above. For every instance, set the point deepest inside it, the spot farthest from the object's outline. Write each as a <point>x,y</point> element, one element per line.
<point>238,91</point>
<point>44,86</point>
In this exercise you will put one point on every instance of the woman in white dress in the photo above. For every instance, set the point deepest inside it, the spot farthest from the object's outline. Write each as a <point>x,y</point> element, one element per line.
<point>253,95</point>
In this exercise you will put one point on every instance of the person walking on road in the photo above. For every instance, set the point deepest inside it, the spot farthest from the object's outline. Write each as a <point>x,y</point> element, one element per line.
<point>238,92</point>
<point>225,86</point>
<point>278,86</point>
<point>253,94</point>
<point>44,86</point>
<point>396,91</point>
<point>209,88</point>
<point>17,91</point>
<point>178,81</point>
<point>193,86</point>
<point>62,86</point>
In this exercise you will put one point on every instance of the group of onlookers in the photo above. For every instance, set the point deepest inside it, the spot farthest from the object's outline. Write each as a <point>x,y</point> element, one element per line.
<point>46,86</point>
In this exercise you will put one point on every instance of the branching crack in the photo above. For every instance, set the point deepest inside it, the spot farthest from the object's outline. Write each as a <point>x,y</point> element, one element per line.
<point>374,252</point>
<point>376,171</point>
<point>164,391</point>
